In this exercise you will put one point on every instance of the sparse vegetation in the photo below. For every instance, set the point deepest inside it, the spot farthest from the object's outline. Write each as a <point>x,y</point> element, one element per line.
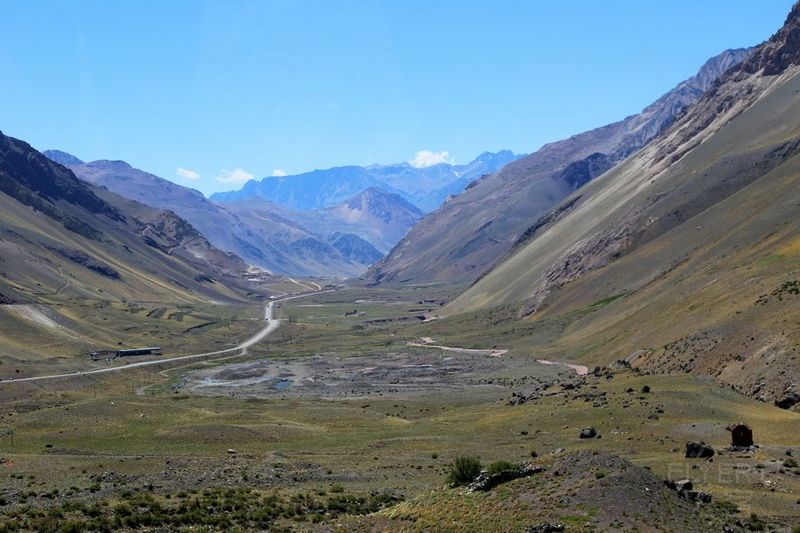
<point>214,508</point>
<point>727,506</point>
<point>501,466</point>
<point>300,444</point>
<point>463,471</point>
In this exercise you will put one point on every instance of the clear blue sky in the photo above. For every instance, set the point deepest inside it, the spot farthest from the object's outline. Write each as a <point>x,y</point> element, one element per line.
<point>212,87</point>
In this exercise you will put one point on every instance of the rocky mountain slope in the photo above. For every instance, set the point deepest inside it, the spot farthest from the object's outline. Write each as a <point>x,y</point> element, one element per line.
<point>267,240</point>
<point>292,248</point>
<point>685,257</point>
<point>374,215</point>
<point>470,232</point>
<point>425,187</point>
<point>59,234</point>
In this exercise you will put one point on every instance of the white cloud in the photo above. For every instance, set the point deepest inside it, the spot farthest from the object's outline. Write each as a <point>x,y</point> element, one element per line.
<point>236,177</point>
<point>187,174</point>
<point>427,158</point>
<point>279,172</point>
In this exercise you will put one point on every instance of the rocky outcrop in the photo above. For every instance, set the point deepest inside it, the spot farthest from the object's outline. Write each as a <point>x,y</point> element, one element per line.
<point>685,489</point>
<point>789,399</point>
<point>780,51</point>
<point>579,173</point>
<point>83,259</point>
<point>485,481</point>
<point>698,450</point>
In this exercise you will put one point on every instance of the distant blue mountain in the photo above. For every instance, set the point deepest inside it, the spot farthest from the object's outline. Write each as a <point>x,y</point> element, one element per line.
<point>427,187</point>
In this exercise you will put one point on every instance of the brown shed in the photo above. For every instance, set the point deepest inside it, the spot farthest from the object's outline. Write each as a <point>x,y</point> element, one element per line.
<point>741,436</point>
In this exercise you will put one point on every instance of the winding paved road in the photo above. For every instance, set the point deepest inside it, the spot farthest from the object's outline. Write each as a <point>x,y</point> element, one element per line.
<point>269,316</point>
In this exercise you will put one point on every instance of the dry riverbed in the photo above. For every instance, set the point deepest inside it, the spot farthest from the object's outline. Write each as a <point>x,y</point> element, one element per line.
<point>396,373</point>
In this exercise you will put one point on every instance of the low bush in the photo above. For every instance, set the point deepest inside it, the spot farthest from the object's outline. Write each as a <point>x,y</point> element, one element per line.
<point>463,471</point>
<point>214,509</point>
<point>501,466</point>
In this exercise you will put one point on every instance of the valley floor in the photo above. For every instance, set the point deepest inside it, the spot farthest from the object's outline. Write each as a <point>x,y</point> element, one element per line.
<point>348,418</point>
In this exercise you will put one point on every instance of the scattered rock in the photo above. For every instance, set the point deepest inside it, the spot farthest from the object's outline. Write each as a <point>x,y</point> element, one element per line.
<point>232,451</point>
<point>518,398</point>
<point>545,528</point>
<point>695,496</point>
<point>486,481</point>
<point>588,433</point>
<point>646,389</point>
<point>683,484</point>
<point>684,488</point>
<point>698,449</point>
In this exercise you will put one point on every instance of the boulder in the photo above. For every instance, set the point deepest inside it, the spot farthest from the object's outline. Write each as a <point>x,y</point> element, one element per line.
<point>789,400</point>
<point>698,449</point>
<point>588,433</point>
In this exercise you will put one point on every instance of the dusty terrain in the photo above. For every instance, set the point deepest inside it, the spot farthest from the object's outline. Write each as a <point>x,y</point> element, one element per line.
<point>413,371</point>
<point>337,406</point>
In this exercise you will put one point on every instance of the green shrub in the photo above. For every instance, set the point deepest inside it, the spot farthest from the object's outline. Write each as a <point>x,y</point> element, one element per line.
<point>463,471</point>
<point>501,466</point>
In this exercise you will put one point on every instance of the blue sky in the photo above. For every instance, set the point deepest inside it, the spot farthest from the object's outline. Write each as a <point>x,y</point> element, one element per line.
<point>225,90</point>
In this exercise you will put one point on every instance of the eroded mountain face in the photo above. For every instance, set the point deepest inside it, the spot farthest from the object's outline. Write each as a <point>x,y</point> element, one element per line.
<point>461,240</point>
<point>686,252</point>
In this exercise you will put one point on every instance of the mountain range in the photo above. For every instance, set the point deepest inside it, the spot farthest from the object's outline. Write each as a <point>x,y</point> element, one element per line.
<point>684,257</point>
<point>426,187</point>
<point>340,241</point>
<point>462,239</point>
